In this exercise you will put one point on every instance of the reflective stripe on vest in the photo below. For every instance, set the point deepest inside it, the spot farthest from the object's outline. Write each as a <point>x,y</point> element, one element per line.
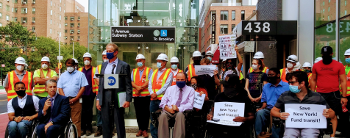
<point>99,68</point>
<point>13,79</point>
<point>191,72</point>
<point>264,70</point>
<point>347,83</point>
<point>283,75</point>
<point>40,89</point>
<point>174,78</point>
<point>138,82</point>
<point>156,86</point>
<point>241,75</point>
<point>94,84</point>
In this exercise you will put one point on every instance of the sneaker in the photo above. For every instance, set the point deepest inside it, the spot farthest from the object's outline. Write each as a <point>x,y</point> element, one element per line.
<point>98,132</point>
<point>82,132</point>
<point>139,133</point>
<point>145,134</point>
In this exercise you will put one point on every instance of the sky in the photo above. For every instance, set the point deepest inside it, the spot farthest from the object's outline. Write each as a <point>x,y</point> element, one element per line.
<point>85,3</point>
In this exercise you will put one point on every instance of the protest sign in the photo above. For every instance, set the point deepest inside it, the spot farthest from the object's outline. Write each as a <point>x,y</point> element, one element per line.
<point>205,69</point>
<point>226,112</point>
<point>227,46</point>
<point>305,116</point>
<point>198,100</point>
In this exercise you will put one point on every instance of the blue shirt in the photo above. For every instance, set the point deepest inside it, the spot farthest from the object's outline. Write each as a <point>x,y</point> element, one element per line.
<point>271,93</point>
<point>109,67</point>
<point>72,82</point>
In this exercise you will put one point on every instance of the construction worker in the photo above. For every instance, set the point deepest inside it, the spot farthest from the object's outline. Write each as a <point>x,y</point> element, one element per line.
<point>347,70</point>
<point>190,72</point>
<point>259,55</point>
<point>19,74</point>
<point>291,62</point>
<point>174,61</point>
<point>76,65</point>
<point>209,55</point>
<point>139,81</point>
<point>307,68</point>
<point>41,76</point>
<point>89,95</point>
<point>161,79</point>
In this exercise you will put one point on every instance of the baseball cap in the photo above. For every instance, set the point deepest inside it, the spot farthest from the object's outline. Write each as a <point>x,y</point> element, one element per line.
<point>327,50</point>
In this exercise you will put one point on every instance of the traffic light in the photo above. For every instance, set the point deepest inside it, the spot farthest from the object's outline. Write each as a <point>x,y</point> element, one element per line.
<point>21,50</point>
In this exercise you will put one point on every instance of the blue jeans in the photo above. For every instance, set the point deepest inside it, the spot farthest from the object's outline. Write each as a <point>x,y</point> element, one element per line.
<point>99,118</point>
<point>154,106</point>
<point>19,130</point>
<point>262,121</point>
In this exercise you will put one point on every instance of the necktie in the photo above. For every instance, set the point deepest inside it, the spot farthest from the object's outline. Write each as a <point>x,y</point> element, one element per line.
<point>180,98</point>
<point>51,99</point>
<point>113,69</point>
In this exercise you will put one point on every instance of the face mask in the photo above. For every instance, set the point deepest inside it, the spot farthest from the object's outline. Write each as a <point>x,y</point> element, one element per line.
<point>174,66</point>
<point>76,67</point>
<point>110,55</point>
<point>105,60</point>
<point>159,65</point>
<point>21,93</point>
<point>229,65</point>
<point>20,67</point>
<point>272,80</point>
<point>197,62</point>
<point>209,58</point>
<point>70,69</point>
<point>44,66</point>
<point>255,67</point>
<point>347,60</point>
<point>230,92</point>
<point>180,84</point>
<point>139,64</point>
<point>327,59</point>
<point>294,89</point>
<point>289,65</point>
<point>194,86</point>
<point>87,62</point>
<point>307,71</point>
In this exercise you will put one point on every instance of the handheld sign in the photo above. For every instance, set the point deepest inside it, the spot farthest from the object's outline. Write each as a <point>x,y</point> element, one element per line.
<point>198,100</point>
<point>205,69</point>
<point>227,46</point>
<point>111,81</point>
<point>225,112</point>
<point>305,116</point>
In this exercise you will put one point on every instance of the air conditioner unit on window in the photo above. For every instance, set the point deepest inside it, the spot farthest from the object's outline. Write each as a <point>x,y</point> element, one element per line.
<point>8,20</point>
<point>24,2</point>
<point>71,19</point>
<point>78,19</point>
<point>78,39</point>
<point>33,21</point>
<point>78,32</point>
<point>71,32</point>
<point>33,2</point>
<point>71,39</point>
<point>8,0</point>
<point>24,22</point>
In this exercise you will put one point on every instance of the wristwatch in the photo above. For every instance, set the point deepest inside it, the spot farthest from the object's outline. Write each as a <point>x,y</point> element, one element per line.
<point>343,97</point>
<point>51,122</point>
<point>13,119</point>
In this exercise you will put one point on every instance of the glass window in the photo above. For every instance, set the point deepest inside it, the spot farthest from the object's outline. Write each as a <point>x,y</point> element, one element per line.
<point>78,24</point>
<point>24,19</point>
<point>233,26</point>
<point>0,15</point>
<point>0,4</point>
<point>51,12</point>
<point>78,38</point>
<point>15,1</point>
<point>71,31</point>
<point>33,1</point>
<point>65,24</point>
<point>242,15</point>
<point>33,19</point>
<point>7,7</point>
<point>7,18</point>
<point>33,28</point>
<point>51,3</point>
<point>78,31</point>
<point>343,8</point>
<point>344,38</point>
<point>60,17</point>
<point>72,18</point>
<point>24,10</point>
<point>223,29</point>
<point>65,31</point>
<point>71,24</point>
<point>65,37</point>
<point>78,18</point>
<point>14,19</point>
<point>324,35</point>
<point>223,15</point>
<point>65,18</point>
<point>33,10</point>
<point>51,21</point>
<point>15,10</point>
<point>233,14</point>
<point>71,38</point>
<point>0,24</point>
<point>50,31</point>
<point>60,8</point>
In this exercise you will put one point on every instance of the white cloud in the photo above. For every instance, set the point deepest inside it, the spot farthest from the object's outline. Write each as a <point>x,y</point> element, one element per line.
<point>85,3</point>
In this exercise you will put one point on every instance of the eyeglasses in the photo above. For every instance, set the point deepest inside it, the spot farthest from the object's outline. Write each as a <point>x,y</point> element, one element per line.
<point>291,82</point>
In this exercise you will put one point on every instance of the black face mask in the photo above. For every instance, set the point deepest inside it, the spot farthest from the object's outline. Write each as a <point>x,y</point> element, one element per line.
<point>197,62</point>
<point>307,71</point>
<point>194,86</point>
<point>327,59</point>
<point>21,93</point>
<point>272,80</point>
<point>229,65</point>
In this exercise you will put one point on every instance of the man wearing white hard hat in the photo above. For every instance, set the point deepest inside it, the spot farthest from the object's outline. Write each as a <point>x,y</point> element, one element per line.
<point>89,94</point>
<point>190,71</point>
<point>307,68</point>
<point>41,76</point>
<point>19,74</point>
<point>291,63</point>
<point>259,55</point>
<point>140,77</point>
<point>157,87</point>
<point>209,55</point>
<point>174,61</point>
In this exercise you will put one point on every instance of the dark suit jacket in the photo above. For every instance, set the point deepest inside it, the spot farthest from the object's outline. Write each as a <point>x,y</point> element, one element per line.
<point>124,81</point>
<point>60,113</point>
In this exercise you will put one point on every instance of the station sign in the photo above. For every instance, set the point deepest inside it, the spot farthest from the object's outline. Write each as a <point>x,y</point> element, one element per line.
<point>132,34</point>
<point>267,28</point>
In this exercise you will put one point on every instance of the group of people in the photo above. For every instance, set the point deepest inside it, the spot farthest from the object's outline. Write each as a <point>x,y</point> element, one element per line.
<point>54,100</point>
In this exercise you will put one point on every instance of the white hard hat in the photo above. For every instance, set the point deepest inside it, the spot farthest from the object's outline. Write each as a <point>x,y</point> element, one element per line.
<point>292,58</point>
<point>20,60</point>
<point>75,60</point>
<point>307,64</point>
<point>87,55</point>
<point>297,65</point>
<point>174,60</point>
<point>258,55</point>
<point>104,52</point>
<point>347,52</point>
<point>196,54</point>
<point>162,57</point>
<point>318,59</point>
<point>224,60</point>
<point>45,58</point>
<point>140,56</point>
<point>209,53</point>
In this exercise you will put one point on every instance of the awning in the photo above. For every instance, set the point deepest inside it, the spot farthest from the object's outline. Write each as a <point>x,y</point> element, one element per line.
<point>216,57</point>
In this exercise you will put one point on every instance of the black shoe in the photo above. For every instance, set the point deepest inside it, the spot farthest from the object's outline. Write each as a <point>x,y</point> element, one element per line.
<point>98,132</point>
<point>88,132</point>
<point>82,132</point>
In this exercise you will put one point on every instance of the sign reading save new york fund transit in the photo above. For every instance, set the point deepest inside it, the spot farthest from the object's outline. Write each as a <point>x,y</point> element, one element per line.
<point>142,34</point>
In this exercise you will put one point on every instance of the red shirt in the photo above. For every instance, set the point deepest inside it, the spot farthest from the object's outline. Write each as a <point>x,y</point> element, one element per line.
<point>328,76</point>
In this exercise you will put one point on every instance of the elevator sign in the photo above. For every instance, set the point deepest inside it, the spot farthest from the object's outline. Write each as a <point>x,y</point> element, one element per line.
<point>131,34</point>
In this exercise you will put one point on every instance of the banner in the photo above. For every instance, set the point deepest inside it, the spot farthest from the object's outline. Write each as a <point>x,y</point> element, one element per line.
<point>198,100</point>
<point>227,46</point>
<point>305,116</point>
<point>205,69</point>
<point>225,112</point>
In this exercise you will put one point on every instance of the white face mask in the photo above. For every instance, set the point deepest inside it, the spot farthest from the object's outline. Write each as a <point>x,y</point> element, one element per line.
<point>20,67</point>
<point>70,69</point>
<point>76,67</point>
<point>105,60</point>
<point>87,62</point>
<point>289,65</point>
<point>255,67</point>
<point>44,66</point>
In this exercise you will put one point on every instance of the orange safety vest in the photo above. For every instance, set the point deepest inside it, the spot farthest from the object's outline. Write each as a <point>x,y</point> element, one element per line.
<point>347,83</point>
<point>38,89</point>
<point>94,84</point>
<point>264,70</point>
<point>158,84</point>
<point>140,82</point>
<point>99,68</point>
<point>309,76</point>
<point>174,78</point>
<point>191,72</point>
<point>283,75</point>
<point>13,79</point>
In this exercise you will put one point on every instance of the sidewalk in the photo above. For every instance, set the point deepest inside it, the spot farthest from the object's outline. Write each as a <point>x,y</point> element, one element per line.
<point>128,135</point>
<point>2,91</point>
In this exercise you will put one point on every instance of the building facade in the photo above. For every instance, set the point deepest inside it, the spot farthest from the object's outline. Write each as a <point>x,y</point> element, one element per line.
<point>76,28</point>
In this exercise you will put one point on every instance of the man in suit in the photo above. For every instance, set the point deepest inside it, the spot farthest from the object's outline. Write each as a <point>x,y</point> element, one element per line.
<point>103,103</point>
<point>54,112</point>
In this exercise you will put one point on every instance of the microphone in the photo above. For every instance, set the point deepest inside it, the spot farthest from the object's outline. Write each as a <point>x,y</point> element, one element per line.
<point>48,97</point>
